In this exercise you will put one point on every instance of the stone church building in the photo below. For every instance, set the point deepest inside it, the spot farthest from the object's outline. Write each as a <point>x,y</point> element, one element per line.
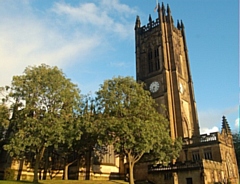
<point>162,63</point>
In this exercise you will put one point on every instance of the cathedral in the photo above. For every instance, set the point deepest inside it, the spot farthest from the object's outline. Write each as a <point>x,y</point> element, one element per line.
<point>162,63</point>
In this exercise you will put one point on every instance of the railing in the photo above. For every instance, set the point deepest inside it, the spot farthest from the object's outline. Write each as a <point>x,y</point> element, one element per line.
<point>159,167</point>
<point>201,139</point>
<point>207,138</point>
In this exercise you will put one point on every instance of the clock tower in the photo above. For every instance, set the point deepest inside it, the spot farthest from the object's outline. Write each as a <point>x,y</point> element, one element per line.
<point>162,63</point>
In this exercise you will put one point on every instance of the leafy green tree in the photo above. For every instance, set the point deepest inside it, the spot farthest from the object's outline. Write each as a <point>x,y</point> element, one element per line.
<point>90,137</point>
<point>236,142</point>
<point>92,132</point>
<point>4,123</point>
<point>45,112</point>
<point>132,124</point>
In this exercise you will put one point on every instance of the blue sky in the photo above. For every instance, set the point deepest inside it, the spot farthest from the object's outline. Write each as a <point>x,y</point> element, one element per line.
<point>93,40</point>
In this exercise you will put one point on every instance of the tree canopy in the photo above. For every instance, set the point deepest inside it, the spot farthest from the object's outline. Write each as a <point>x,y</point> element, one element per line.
<point>48,113</point>
<point>4,122</point>
<point>133,125</point>
<point>236,142</point>
<point>45,112</point>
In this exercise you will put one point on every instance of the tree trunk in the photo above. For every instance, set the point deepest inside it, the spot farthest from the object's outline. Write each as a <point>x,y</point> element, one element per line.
<point>36,166</point>
<point>20,170</point>
<point>78,166</point>
<point>66,169</point>
<point>88,164</point>
<point>39,155</point>
<point>66,172</point>
<point>131,165</point>
<point>46,166</point>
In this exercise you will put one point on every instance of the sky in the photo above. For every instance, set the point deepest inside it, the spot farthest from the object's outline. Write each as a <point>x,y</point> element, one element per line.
<point>93,40</point>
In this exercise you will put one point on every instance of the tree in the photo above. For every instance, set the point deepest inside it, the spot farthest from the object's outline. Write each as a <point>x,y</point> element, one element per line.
<point>236,142</point>
<point>45,112</point>
<point>90,137</point>
<point>133,125</point>
<point>92,132</point>
<point>4,122</point>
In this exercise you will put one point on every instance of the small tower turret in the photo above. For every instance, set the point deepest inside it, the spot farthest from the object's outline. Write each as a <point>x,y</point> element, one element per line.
<point>160,14</point>
<point>138,23</point>
<point>182,25</point>
<point>178,25</point>
<point>163,10</point>
<point>225,126</point>
<point>150,18</point>
<point>168,10</point>
<point>150,21</point>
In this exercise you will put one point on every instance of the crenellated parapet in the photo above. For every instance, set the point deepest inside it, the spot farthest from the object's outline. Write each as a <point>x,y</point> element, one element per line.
<point>152,24</point>
<point>175,167</point>
<point>225,137</point>
<point>164,15</point>
<point>204,138</point>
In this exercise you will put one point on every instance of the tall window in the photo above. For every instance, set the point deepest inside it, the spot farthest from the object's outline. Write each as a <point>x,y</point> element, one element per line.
<point>156,59</point>
<point>180,64</point>
<point>104,155</point>
<point>153,60</point>
<point>109,157</point>
<point>208,154</point>
<point>195,156</point>
<point>150,61</point>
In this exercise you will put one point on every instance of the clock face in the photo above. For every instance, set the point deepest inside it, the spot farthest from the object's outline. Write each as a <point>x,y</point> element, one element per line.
<point>154,86</point>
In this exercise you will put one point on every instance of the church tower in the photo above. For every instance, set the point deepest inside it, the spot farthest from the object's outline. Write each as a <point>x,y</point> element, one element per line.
<point>162,63</point>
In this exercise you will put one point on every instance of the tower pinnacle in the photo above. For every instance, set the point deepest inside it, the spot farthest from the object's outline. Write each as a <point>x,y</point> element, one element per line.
<point>225,125</point>
<point>138,23</point>
<point>168,10</point>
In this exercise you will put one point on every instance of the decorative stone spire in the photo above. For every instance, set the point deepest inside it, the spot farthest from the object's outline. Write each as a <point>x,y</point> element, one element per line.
<point>168,10</point>
<point>160,15</point>
<point>178,24</point>
<point>158,7</point>
<point>150,19</point>
<point>138,23</point>
<point>225,126</point>
<point>182,25</point>
<point>163,9</point>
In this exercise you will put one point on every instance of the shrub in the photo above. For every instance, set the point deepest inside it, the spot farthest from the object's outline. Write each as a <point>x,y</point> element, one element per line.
<point>9,174</point>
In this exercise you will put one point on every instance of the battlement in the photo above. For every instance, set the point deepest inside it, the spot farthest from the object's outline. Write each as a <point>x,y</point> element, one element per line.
<point>208,138</point>
<point>187,165</point>
<point>150,25</point>
<point>179,166</point>
<point>164,15</point>
<point>212,137</point>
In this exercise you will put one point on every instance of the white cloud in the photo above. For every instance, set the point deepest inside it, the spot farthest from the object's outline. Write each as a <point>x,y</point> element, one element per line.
<point>31,41</point>
<point>210,119</point>
<point>114,5</point>
<point>209,130</point>
<point>31,38</point>
<point>110,16</point>
<point>84,13</point>
<point>119,64</point>
<point>237,124</point>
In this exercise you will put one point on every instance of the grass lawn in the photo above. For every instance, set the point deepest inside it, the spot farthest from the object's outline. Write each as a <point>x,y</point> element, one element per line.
<point>66,182</point>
